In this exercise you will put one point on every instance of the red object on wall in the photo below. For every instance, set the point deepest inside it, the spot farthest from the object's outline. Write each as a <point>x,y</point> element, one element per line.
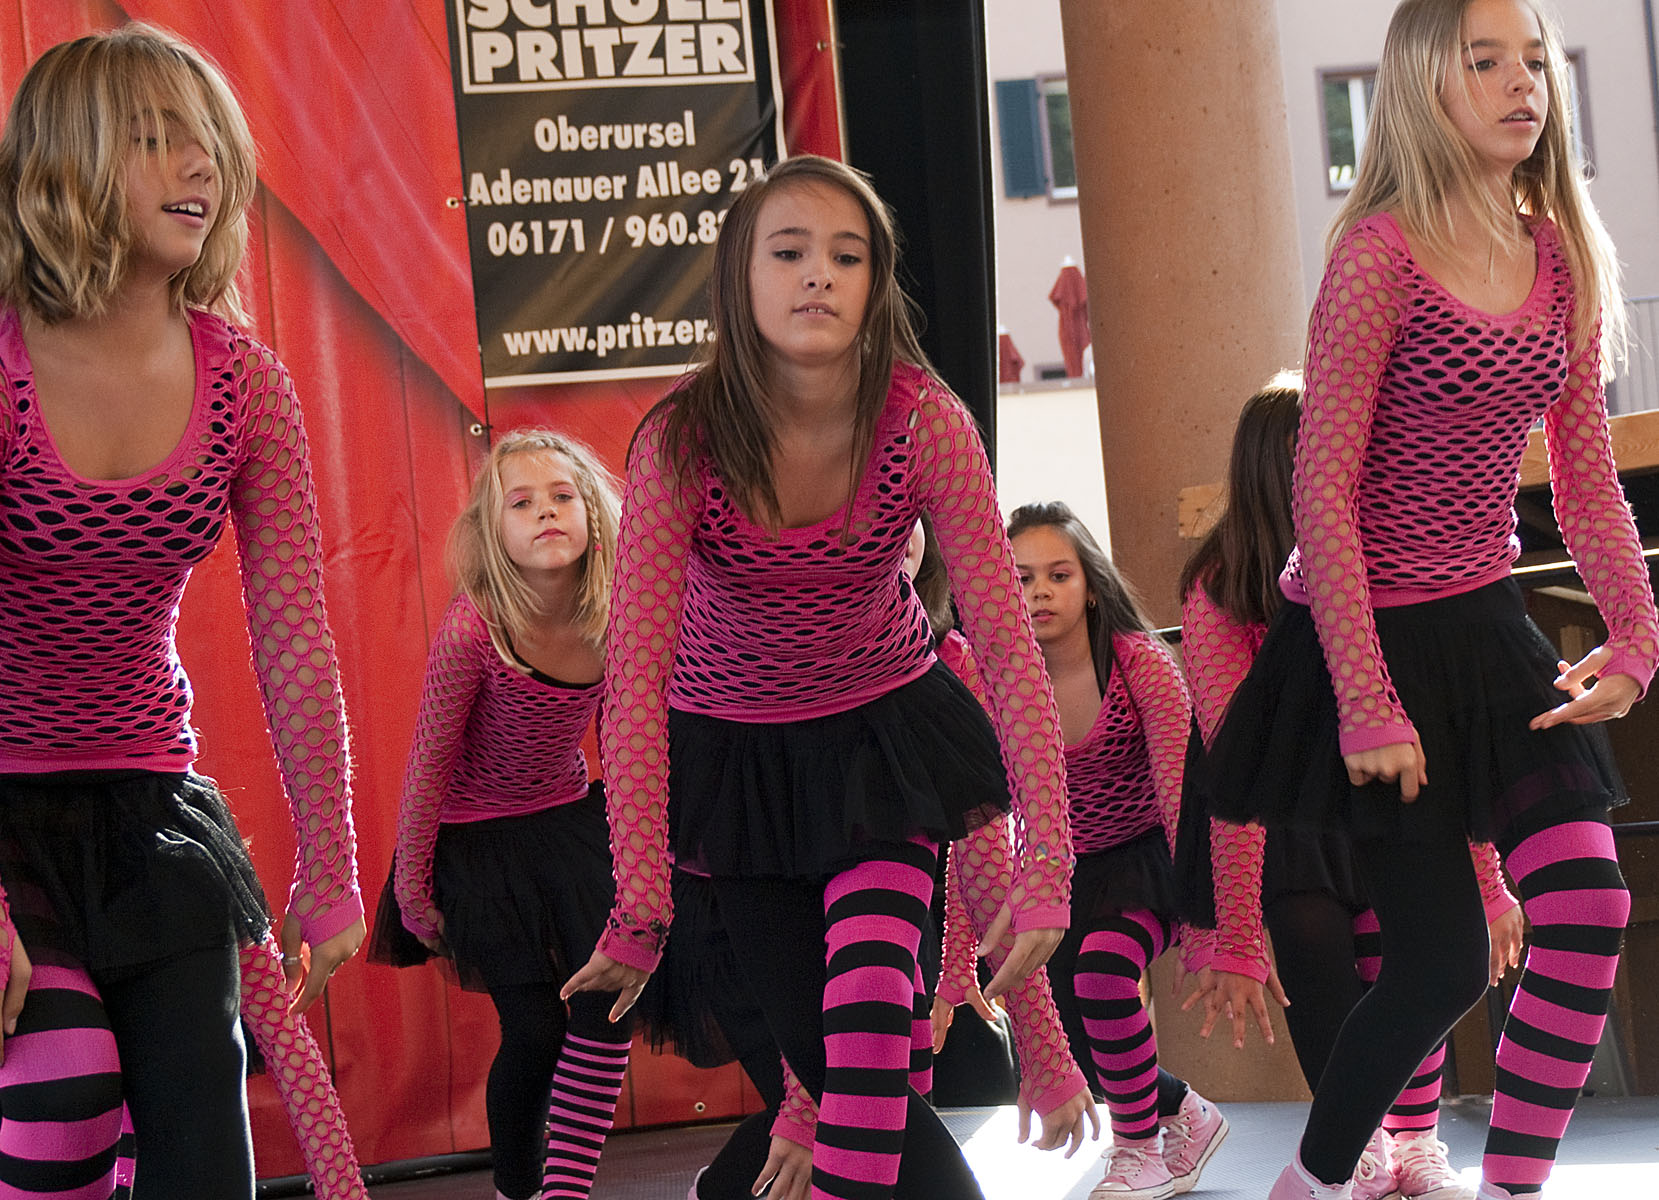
<point>1070,295</point>
<point>1010,362</point>
<point>357,276</point>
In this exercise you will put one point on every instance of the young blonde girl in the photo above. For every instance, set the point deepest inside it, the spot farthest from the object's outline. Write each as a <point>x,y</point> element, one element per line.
<point>1402,695</point>
<point>773,700</point>
<point>501,860</point>
<point>136,422</point>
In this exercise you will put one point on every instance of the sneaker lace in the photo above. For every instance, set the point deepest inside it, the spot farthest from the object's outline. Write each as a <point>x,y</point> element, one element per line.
<point>1122,1162</point>
<point>1422,1156</point>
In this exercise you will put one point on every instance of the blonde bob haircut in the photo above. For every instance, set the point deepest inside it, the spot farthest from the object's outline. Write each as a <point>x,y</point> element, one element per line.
<point>1415,162</point>
<point>66,237</point>
<point>724,407</point>
<point>477,556</point>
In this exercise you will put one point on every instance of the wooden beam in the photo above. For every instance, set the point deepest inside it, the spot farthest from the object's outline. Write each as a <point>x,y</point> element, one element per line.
<point>1635,447</point>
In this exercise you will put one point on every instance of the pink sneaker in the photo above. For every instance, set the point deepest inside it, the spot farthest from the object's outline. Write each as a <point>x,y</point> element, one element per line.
<point>1294,1183</point>
<point>1491,1191</point>
<point>1134,1171</point>
<point>1424,1174</point>
<point>1191,1136</point>
<point>1374,1173</point>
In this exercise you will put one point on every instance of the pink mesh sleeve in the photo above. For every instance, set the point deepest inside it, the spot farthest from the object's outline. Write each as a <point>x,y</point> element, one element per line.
<point>1218,652</point>
<point>454,675</point>
<point>1048,1075</point>
<point>1355,320</point>
<point>1595,520</point>
<point>652,549</point>
<point>294,1061</point>
<point>1495,896</point>
<point>955,488</point>
<point>958,972</point>
<point>275,514</point>
<point>797,1117</point>
<point>1158,691</point>
<point>8,940</point>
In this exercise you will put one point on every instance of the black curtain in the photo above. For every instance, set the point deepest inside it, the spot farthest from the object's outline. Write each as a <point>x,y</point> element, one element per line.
<point>918,120</point>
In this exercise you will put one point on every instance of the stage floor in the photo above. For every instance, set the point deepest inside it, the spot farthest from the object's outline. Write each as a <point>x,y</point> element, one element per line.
<point>1611,1151</point>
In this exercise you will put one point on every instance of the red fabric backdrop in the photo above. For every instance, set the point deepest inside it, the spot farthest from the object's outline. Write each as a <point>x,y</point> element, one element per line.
<point>358,278</point>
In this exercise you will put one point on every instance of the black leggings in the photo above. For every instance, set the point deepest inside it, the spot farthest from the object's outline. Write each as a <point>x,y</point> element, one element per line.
<point>1434,969</point>
<point>179,1033</point>
<point>534,1024</point>
<point>778,932</point>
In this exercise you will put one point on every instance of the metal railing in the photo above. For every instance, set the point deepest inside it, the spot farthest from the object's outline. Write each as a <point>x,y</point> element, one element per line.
<point>1637,387</point>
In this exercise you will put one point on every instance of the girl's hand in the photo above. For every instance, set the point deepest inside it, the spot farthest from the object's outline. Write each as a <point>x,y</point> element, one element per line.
<point>435,943</point>
<point>1031,950</point>
<point>1233,995</point>
<point>1505,932</point>
<point>326,958</point>
<point>1607,699</point>
<point>602,973</point>
<point>1401,762</point>
<point>1064,1126</point>
<point>944,1014</point>
<point>788,1171</point>
<point>17,987</point>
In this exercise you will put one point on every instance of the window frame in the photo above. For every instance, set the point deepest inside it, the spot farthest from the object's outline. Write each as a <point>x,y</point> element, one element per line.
<point>1045,88</point>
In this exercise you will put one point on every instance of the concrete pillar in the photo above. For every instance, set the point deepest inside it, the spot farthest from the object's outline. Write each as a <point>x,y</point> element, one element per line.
<point>1195,296</point>
<point>1190,248</point>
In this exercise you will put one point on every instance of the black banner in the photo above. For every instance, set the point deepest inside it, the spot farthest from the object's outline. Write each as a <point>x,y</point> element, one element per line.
<point>602,142</point>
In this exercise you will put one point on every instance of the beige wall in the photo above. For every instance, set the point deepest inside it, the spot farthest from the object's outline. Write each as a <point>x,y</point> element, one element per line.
<point>1317,35</point>
<point>1035,234</point>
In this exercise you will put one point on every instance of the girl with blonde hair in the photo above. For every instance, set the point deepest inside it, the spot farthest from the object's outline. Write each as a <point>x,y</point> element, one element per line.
<point>134,420</point>
<point>1402,695</point>
<point>502,862</point>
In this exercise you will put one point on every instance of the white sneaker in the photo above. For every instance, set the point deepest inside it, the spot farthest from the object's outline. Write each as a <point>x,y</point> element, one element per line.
<point>1134,1171</point>
<point>1294,1183</point>
<point>1374,1173</point>
<point>1424,1174</point>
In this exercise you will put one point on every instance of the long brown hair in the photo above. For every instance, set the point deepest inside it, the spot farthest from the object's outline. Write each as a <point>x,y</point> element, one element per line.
<point>722,408</point>
<point>1113,607</point>
<point>1239,560</point>
<point>66,236</point>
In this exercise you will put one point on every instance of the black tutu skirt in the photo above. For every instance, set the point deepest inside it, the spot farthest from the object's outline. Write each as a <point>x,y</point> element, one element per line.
<point>799,798</point>
<point>1471,671</point>
<point>697,1001</point>
<point>524,899</point>
<point>111,870</point>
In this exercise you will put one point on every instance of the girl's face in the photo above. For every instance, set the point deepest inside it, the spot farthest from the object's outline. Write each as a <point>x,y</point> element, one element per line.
<point>809,274</point>
<point>172,200</point>
<point>544,520</point>
<point>1497,91</point>
<point>1056,594</point>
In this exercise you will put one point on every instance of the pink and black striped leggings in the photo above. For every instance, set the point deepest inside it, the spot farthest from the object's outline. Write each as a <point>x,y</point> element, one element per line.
<point>1434,966</point>
<point>833,966</point>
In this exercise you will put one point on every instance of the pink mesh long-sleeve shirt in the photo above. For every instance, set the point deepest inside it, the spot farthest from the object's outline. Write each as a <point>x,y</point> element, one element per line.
<point>92,571</point>
<point>490,741</point>
<point>714,615</point>
<point>1415,415</point>
<point>1124,777</point>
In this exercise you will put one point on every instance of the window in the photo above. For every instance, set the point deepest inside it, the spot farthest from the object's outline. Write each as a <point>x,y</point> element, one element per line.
<point>1345,104</point>
<point>1062,163</point>
<point>1034,128</point>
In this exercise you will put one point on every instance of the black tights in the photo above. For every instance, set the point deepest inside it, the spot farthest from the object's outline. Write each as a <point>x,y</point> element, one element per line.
<point>1434,969</point>
<point>1313,951</point>
<point>533,1028</point>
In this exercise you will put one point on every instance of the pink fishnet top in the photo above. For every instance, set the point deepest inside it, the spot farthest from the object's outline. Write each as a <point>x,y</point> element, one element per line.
<point>715,615</point>
<point>1415,416</point>
<point>1218,650</point>
<point>490,741</point>
<point>1124,777</point>
<point>92,571</point>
